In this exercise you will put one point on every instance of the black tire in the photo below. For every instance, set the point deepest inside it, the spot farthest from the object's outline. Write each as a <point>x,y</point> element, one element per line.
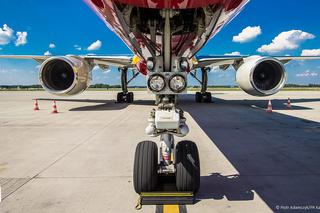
<point>207,97</point>
<point>198,97</point>
<point>145,173</point>
<point>187,167</point>
<point>130,97</point>
<point>120,97</point>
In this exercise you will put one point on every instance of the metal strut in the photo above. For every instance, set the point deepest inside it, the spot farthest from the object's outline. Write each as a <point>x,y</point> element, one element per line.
<point>204,78</point>
<point>124,78</point>
<point>167,121</point>
<point>167,42</point>
<point>126,96</point>
<point>204,84</point>
<point>124,81</point>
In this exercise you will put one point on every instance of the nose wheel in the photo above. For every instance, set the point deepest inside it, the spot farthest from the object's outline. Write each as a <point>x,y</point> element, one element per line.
<point>187,167</point>
<point>147,172</point>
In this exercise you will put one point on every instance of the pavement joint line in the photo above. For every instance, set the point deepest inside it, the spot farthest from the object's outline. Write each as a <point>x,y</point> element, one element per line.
<point>84,141</point>
<point>29,179</point>
<point>67,153</point>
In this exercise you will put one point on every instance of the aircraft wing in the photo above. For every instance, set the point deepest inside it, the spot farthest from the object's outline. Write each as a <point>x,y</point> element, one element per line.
<point>37,58</point>
<point>224,61</point>
<point>118,61</point>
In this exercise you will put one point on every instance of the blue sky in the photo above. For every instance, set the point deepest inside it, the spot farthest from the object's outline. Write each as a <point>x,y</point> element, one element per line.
<point>32,25</point>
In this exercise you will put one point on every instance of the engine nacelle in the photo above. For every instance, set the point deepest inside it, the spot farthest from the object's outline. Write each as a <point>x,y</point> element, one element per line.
<point>67,75</point>
<point>261,76</point>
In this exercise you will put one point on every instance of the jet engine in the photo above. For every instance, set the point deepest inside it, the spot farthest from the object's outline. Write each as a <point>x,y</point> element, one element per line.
<point>261,76</point>
<point>67,75</point>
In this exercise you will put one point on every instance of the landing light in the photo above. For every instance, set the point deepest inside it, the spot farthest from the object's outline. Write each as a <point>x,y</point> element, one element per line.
<point>156,83</point>
<point>150,64</point>
<point>177,83</point>
<point>184,65</point>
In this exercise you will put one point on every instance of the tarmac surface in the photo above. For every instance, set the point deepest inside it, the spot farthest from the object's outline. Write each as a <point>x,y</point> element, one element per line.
<point>81,159</point>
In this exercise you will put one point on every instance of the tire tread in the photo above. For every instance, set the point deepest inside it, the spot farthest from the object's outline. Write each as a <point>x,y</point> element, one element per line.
<point>145,167</point>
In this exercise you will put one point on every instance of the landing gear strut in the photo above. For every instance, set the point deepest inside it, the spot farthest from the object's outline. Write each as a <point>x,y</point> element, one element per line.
<point>203,96</point>
<point>180,162</point>
<point>177,169</point>
<point>125,96</point>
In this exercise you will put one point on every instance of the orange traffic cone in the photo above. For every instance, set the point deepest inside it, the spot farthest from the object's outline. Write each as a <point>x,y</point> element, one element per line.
<point>289,103</point>
<point>36,106</point>
<point>54,107</point>
<point>269,109</point>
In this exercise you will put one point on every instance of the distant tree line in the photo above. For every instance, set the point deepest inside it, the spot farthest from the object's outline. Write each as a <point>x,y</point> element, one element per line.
<point>300,85</point>
<point>36,86</point>
<point>107,86</point>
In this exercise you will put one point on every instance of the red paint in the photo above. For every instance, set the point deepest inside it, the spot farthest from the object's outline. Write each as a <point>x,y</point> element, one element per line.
<point>142,67</point>
<point>180,4</point>
<point>98,3</point>
<point>184,45</point>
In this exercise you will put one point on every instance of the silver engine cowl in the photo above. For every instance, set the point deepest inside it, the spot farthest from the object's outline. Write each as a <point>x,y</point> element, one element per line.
<point>261,76</point>
<point>67,75</point>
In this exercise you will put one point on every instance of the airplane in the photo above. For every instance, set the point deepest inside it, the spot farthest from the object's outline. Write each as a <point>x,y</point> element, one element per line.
<point>165,37</point>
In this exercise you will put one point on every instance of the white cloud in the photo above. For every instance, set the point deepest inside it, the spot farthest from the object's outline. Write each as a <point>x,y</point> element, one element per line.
<point>22,38</point>
<point>288,40</point>
<point>313,52</point>
<point>2,71</point>
<point>96,68</point>
<point>307,73</point>
<point>47,53</point>
<point>6,35</point>
<point>95,45</point>
<point>233,54</point>
<point>105,71</point>
<point>247,34</point>
<point>77,47</point>
<point>52,46</point>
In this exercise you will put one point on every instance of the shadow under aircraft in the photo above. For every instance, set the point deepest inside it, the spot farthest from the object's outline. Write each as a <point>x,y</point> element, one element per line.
<point>276,155</point>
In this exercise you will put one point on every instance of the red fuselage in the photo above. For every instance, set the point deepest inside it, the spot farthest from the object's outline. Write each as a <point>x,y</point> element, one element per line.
<point>193,24</point>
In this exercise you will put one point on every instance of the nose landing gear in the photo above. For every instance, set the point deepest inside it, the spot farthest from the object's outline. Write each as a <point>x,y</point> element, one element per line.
<point>174,169</point>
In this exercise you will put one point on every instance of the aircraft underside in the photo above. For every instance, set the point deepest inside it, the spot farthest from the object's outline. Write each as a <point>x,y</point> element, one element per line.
<point>165,38</point>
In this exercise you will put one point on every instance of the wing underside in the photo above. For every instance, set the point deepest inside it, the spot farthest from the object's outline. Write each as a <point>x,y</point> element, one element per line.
<point>118,61</point>
<point>223,61</point>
